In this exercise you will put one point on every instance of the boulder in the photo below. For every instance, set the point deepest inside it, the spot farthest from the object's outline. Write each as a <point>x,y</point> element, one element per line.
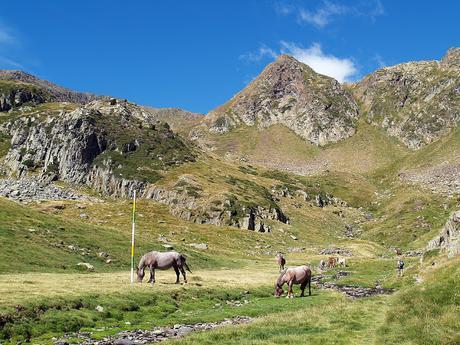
<point>86,265</point>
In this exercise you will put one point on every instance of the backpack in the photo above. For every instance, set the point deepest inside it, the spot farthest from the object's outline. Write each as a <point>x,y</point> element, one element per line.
<point>401,264</point>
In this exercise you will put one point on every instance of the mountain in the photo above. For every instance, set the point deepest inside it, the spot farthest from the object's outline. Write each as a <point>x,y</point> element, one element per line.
<point>287,92</point>
<point>416,102</point>
<point>110,145</point>
<point>177,119</point>
<point>18,87</point>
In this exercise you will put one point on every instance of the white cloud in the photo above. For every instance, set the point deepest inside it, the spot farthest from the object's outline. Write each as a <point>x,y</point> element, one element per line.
<point>323,15</point>
<point>332,66</point>
<point>258,55</point>
<point>328,11</point>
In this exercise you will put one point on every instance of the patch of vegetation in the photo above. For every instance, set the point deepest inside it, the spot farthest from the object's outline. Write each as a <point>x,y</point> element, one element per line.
<point>139,151</point>
<point>5,144</point>
<point>427,313</point>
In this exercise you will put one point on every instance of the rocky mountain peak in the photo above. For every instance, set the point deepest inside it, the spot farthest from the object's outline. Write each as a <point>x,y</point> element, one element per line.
<point>290,93</point>
<point>417,102</point>
<point>452,58</point>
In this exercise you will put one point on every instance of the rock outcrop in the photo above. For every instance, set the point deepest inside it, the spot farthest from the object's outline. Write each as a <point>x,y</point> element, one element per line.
<point>113,147</point>
<point>449,238</point>
<point>315,107</point>
<point>23,81</point>
<point>416,102</point>
<point>185,202</point>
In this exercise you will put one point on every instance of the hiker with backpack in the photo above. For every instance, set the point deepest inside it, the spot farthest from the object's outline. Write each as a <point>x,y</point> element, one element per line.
<point>400,266</point>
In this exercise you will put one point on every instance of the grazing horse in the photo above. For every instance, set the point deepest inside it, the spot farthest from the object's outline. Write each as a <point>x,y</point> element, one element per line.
<point>162,261</point>
<point>322,265</point>
<point>281,261</point>
<point>294,275</point>
<point>342,262</point>
<point>332,262</point>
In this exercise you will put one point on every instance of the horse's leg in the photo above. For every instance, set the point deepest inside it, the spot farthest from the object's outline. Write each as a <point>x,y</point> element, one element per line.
<point>152,279</point>
<point>309,286</point>
<point>290,293</point>
<point>183,273</point>
<point>302,288</point>
<point>177,273</point>
<point>152,272</point>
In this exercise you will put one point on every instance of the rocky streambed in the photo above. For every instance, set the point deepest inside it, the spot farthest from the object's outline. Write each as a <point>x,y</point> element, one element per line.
<point>156,334</point>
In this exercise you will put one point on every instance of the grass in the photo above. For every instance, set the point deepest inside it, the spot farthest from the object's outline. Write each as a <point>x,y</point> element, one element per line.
<point>52,304</point>
<point>427,313</point>
<point>317,321</point>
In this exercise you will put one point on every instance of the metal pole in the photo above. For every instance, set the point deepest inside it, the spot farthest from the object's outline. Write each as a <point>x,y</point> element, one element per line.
<point>132,237</point>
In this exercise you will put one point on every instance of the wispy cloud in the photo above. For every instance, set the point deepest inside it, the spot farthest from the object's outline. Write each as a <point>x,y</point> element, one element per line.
<point>323,15</point>
<point>342,69</point>
<point>8,63</point>
<point>8,43</point>
<point>328,11</point>
<point>379,60</point>
<point>259,54</point>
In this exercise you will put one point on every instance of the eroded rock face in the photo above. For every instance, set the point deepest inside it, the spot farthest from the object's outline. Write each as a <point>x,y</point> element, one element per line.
<point>449,238</point>
<point>416,102</point>
<point>315,107</point>
<point>15,97</point>
<point>100,145</point>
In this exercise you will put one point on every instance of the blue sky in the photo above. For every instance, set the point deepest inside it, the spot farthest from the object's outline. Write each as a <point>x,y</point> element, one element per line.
<point>197,54</point>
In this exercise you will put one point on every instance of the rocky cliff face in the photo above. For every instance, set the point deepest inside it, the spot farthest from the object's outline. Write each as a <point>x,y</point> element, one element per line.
<point>112,146</point>
<point>449,238</point>
<point>13,95</point>
<point>52,91</point>
<point>416,102</point>
<point>314,106</point>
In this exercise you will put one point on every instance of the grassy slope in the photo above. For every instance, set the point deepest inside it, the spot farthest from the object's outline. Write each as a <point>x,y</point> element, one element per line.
<point>276,146</point>
<point>428,313</point>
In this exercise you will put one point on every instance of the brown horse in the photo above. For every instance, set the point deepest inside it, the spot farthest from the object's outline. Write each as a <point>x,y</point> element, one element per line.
<point>162,261</point>
<point>332,261</point>
<point>281,261</point>
<point>294,275</point>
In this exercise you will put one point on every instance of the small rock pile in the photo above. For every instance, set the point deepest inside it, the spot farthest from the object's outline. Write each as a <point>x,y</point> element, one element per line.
<point>140,336</point>
<point>28,189</point>
<point>355,291</point>
<point>337,251</point>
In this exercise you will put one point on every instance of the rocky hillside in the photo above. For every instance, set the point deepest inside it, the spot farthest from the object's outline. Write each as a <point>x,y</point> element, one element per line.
<point>449,237</point>
<point>315,107</point>
<point>416,102</point>
<point>177,119</point>
<point>18,88</point>
<point>112,146</point>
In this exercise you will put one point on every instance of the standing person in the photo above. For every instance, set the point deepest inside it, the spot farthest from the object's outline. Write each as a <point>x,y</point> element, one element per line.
<point>400,266</point>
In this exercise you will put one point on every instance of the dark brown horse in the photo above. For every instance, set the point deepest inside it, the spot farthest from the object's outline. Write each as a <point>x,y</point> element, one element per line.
<point>162,261</point>
<point>294,275</point>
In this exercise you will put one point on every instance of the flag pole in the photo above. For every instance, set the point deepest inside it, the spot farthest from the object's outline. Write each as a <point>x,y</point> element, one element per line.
<point>132,237</point>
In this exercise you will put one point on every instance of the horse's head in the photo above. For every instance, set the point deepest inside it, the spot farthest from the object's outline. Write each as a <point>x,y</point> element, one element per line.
<point>140,274</point>
<point>278,290</point>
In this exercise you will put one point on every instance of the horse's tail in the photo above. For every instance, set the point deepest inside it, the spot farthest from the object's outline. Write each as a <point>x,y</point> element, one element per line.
<point>184,262</point>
